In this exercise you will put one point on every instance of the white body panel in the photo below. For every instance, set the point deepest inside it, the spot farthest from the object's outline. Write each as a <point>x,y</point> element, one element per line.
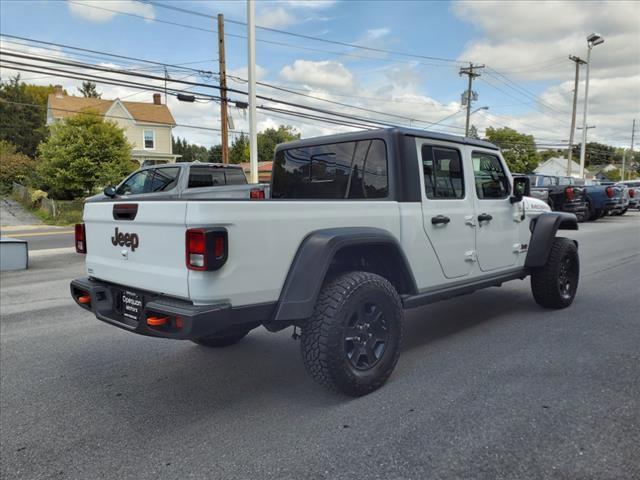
<point>264,236</point>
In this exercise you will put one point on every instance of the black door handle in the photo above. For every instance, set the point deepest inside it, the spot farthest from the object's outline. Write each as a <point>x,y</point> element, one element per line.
<point>484,217</point>
<point>440,219</point>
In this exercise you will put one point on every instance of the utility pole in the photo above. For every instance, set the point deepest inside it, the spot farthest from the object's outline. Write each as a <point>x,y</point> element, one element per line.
<point>251,58</point>
<point>578,62</point>
<point>469,71</point>
<point>224,123</point>
<point>633,132</point>
<point>166,75</point>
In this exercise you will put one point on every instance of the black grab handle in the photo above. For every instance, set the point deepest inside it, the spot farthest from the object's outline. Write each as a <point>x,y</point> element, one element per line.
<point>440,219</point>
<point>484,217</point>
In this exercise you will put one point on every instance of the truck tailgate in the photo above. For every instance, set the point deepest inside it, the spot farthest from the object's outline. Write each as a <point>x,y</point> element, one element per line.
<point>153,259</point>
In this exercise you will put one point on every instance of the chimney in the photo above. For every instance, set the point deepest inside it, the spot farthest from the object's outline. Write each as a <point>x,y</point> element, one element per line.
<point>57,90</point>
<point>157,99</point>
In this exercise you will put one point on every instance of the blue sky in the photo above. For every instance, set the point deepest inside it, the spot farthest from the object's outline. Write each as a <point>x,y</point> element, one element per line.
<point>525,44</point>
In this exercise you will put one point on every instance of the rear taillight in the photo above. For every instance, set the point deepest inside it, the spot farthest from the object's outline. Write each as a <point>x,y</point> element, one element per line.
<point>609,191</point>
<point>256,194</point>
<point>632,193</point>
<point>81,238</point>
<point>206,249</point>
<point>569,193</point>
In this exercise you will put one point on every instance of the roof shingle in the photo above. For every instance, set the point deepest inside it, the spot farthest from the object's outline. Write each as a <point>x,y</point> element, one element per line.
<point>67,105</point>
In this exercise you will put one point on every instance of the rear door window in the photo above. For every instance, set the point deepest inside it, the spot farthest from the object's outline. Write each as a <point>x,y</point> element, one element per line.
<point>442,170</point>
<point>149,181</point>
<point>206,176</point>
<point>347,170</point>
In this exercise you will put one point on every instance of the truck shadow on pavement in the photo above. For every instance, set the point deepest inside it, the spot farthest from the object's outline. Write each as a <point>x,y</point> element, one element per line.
<point>151,377</point>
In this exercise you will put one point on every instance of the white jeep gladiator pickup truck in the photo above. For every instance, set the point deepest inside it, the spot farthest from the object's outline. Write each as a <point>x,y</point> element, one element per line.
<point>359,227</point>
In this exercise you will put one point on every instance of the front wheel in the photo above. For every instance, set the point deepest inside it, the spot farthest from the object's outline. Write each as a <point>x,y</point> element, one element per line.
<point>351,344</point>
<point>555,284</point>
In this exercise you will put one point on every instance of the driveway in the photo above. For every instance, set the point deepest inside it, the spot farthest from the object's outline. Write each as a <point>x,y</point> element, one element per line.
<point>12,214</point>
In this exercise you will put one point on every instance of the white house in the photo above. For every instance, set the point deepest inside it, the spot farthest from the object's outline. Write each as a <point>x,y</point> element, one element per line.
<point>147,126</point>
<point>557,167</point>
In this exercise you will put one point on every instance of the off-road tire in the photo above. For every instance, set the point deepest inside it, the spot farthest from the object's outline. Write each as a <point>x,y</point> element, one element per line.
<point>555,284</point>
<point>222,340</point>
<point>327,348</point>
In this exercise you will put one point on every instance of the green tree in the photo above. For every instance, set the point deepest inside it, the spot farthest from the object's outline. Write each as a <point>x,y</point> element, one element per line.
<point>14,166</point>
<point>239,151</point>
<point>88,90</point>
<point>83,153</point>
<point>518,149</point>
<point>597,154</point>
<point>22,115</point>
<point>269,138</point>
<point>215,154</point>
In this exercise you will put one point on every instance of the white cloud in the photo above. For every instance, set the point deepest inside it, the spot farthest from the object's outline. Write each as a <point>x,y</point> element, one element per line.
<point>103,11</point>
<point>376,33</point>
<point>311,4</point>
<point>325,73</point>
<point>275,18</point>
<point>530,42</point>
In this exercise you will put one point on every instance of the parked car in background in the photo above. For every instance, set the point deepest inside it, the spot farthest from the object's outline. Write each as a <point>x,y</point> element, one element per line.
<point>186,180</point>
<point>623,202</point>
<point>601,199</point>
<point>634,193</point>
<point>561,194</point>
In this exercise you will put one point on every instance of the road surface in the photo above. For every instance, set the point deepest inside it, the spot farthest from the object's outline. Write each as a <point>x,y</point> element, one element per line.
<point>489,386</point>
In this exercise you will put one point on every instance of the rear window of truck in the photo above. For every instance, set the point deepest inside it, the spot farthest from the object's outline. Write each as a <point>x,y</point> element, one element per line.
<point>200,177</point>
<point>149,181</point>
<point>347,170</point>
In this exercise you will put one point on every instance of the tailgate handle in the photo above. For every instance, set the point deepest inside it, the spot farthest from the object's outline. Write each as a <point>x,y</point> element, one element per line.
<point>125,211</point>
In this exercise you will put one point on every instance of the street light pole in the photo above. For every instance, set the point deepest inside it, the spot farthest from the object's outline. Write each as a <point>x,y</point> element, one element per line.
<point>592,40</point>
<point>253,135</point>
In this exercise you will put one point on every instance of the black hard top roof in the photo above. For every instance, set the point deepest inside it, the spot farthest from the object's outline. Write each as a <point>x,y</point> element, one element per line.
<point>385,133</point>
<point>193,164</point>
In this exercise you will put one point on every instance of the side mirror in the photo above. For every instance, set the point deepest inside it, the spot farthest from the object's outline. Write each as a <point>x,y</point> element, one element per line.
<point>110,191</point>
<point>521,188</point>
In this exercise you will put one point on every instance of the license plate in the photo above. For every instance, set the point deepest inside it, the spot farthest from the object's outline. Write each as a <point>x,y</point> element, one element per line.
<point>131,305</point>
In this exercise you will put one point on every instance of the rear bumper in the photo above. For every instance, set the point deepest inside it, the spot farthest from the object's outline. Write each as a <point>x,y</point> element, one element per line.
<point>575,207</point>
<point>195,321</point>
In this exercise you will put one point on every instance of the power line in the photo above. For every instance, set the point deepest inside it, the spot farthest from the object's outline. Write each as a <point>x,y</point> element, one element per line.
<point>307,37</point>
<point>130,84</point>
<point>153,77</point>
<point>515,86</point>
<point>114,55</point>
<point>89,112</point>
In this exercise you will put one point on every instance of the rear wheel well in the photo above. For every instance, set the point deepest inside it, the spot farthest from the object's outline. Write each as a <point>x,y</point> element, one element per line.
<point>381,259</point>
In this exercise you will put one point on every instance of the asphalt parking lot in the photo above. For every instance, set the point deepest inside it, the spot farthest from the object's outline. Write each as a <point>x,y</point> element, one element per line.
<point>489,386</point>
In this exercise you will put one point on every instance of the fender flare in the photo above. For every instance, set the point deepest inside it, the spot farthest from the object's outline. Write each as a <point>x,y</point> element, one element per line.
<point>544,232</point>
<point>313,259</point>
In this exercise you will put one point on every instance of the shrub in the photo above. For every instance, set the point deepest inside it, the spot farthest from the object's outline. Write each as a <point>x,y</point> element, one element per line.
<point>37,196</point>
<point>83,153</point>
<point>14,166</point>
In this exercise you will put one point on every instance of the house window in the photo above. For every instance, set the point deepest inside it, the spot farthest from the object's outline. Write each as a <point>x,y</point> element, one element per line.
<point>149,140</point>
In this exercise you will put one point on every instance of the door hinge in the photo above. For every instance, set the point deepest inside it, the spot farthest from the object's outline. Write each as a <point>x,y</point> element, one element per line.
<point>470,256</point>
<point>470,220</point>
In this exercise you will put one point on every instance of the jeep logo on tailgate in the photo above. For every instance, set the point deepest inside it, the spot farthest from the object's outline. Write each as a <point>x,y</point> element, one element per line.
<point>125,240</point>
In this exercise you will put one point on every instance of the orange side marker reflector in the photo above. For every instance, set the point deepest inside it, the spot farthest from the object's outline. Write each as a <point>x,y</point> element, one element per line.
<point>84,299</point>
<point>179,322</point>
<point>157,321</point>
